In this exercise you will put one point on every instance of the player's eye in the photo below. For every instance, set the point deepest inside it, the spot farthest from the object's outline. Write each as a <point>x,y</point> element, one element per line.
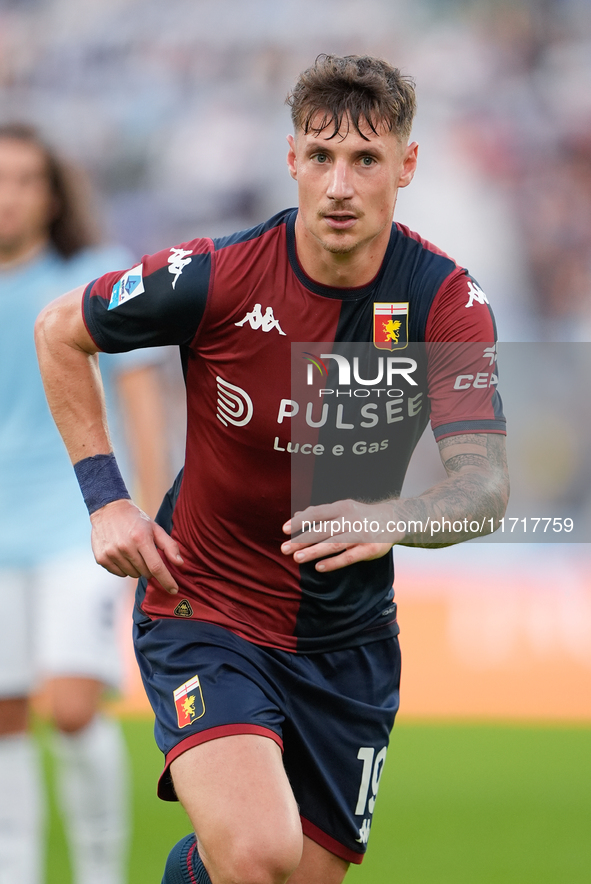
<point>320,157</point>
<point>367,161</point>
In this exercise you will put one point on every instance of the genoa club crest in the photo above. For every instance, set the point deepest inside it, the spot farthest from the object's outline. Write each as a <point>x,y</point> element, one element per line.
<point>390,325</point>
<point>188,700</point>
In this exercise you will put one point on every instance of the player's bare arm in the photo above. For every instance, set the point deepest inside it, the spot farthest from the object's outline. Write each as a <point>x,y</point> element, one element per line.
<point>125,541</point>
<point>145,429</point>
<point>476,490</point>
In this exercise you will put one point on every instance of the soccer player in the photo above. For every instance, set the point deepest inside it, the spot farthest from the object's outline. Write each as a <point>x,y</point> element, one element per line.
<point>59,609</point>
<point>272,663</point>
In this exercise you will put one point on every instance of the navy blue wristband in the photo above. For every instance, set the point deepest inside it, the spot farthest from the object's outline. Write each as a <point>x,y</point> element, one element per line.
<point>100,481</point>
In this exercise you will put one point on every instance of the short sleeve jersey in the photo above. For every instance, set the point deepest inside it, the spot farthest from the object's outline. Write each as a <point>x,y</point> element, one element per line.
<point>42,514</point>
<point>234,306</point>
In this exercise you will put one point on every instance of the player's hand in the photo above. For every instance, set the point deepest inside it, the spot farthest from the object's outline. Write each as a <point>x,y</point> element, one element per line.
<point>348,531</point>
<point>126,542</point>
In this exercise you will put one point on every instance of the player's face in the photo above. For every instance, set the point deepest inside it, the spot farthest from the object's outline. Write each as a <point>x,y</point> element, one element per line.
<point>347,185</point>
<point>26,202</point>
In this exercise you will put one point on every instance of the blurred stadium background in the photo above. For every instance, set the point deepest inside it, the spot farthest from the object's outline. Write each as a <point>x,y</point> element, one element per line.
<point>176,110</point>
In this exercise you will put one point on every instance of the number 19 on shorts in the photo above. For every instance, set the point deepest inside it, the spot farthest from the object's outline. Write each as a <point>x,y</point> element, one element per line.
<point>373,765</point>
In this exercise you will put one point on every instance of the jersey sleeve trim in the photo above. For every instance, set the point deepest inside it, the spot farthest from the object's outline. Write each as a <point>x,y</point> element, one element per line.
<point>458,428</point>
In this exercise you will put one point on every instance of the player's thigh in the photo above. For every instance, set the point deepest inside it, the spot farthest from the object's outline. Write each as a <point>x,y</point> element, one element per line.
<point>204,683</point>
<point>240,802</point>
<point>319,866</point>
<point>80,606</point>
<point>19,609</point>
<point>342,706</point>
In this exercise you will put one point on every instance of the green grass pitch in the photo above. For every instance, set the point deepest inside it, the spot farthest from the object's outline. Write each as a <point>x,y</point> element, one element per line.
<point>468,804</point>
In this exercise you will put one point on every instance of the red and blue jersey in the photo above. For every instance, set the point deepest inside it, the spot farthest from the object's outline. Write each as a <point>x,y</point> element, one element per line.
<point>234,306</point>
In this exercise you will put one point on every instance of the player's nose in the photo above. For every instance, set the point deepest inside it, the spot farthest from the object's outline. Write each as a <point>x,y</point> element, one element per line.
<point>340,184</point>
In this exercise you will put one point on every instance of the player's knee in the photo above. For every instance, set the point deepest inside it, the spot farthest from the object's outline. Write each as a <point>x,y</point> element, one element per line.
<point>274,867</point>
<point>263,863</point>
<point>70,719</point>
<point>73,702</point>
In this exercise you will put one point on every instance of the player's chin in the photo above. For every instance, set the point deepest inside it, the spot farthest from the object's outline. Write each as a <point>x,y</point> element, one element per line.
<point>340,245</point>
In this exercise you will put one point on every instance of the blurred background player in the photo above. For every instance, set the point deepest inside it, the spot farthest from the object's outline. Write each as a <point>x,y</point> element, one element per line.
<point>59,609</point>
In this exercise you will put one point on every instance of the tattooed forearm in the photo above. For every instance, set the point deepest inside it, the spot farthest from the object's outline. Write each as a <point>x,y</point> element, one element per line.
<point>476,490</point>
<point>455,464</point>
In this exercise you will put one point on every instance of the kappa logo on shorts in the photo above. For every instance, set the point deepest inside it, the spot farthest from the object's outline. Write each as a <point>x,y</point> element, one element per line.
<point>129,286</point>
<point>188,700</point>
<point>183,609</point>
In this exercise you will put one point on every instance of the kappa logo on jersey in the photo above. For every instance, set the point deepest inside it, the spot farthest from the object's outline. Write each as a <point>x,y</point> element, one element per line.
<point>129,286</point>
<point>258,320</point>
<point>234,404</point>
<point>490,353</point>
<point>188,700</point>
<point>390,325</point>
<point>178,260</point>
<point>477,296</point>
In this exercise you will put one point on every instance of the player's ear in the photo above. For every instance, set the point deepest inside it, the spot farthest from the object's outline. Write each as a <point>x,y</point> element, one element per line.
<point>409,164</point>
<point>292,164</point>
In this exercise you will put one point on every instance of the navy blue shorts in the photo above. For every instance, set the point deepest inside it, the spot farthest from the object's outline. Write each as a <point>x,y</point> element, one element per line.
<point>331,714</point>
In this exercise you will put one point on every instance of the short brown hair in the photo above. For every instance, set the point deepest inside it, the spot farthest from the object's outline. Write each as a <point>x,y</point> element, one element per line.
<point>358,87</point>
<point>72,227</point>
